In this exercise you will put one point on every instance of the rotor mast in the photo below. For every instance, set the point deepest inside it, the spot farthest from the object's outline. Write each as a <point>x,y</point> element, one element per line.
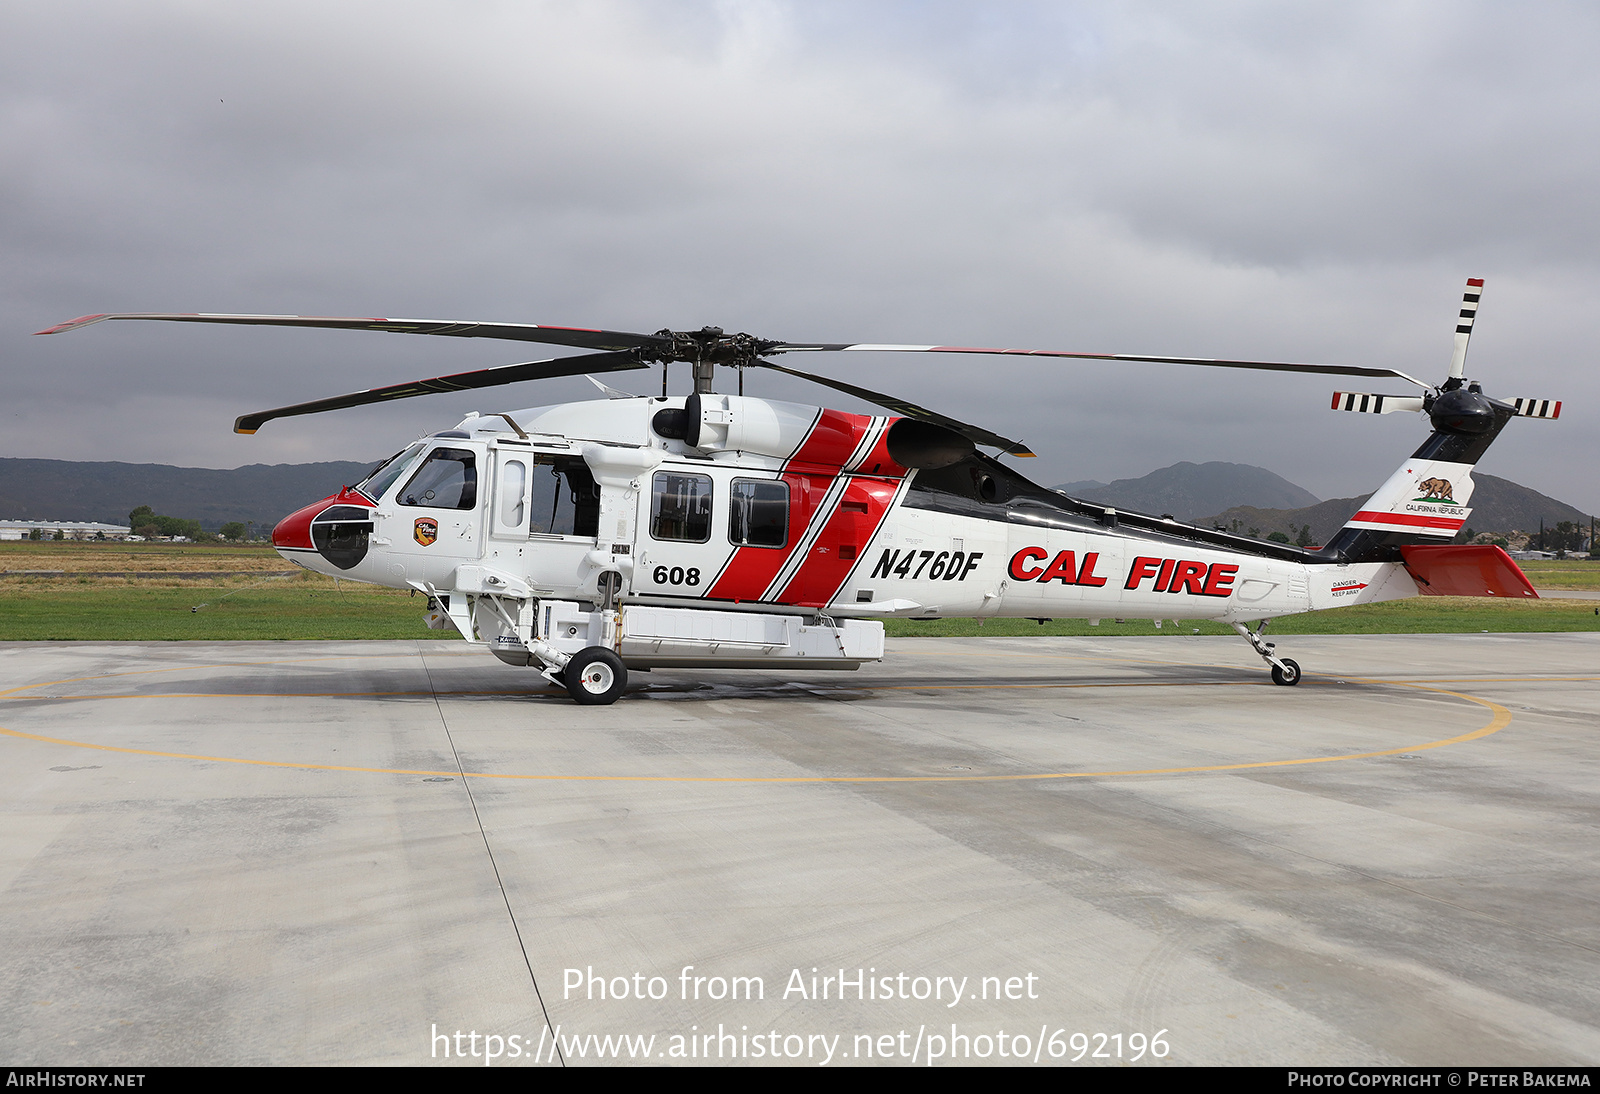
<point>705,349</point>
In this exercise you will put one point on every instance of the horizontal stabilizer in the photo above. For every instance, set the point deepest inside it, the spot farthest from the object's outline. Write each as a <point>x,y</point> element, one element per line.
<point>1466,571</point>
<point>1363,403</point>
<point>1538,408</point>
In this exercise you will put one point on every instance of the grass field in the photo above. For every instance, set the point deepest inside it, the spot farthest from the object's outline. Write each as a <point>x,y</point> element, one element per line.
<point>78,607</point>
<point>278,608</point>
<point>1565,574</point>
<point>1420,615</point>
<point>73,558</point>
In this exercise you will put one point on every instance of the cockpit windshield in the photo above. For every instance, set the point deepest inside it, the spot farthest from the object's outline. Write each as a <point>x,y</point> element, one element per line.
<point>380,478</point>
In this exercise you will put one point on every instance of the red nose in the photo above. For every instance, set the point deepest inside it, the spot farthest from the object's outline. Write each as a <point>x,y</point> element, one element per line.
<point>294,530</point>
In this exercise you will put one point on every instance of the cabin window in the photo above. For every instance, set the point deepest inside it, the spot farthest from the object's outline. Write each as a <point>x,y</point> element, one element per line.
<point>758,513</point>
<point>566,499</point>
<point>448,479</point>
<point>680,507</point>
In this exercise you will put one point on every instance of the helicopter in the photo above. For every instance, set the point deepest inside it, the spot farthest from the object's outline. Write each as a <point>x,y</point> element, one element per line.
<point>631,533</point>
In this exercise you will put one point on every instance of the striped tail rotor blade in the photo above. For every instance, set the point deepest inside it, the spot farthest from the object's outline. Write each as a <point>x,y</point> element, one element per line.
<point>1365,403</point>
<point>1469,313</point>
<point>1549,409</point>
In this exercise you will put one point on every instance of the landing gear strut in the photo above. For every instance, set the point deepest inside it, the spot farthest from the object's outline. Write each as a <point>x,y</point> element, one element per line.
<point>1285,673</point>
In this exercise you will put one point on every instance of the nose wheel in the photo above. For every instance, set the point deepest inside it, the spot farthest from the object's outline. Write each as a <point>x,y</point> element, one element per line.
<point>1285,673</point>
<point>595,677</point>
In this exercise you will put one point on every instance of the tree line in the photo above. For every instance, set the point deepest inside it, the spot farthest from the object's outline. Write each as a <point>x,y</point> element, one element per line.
<point>148,523</point>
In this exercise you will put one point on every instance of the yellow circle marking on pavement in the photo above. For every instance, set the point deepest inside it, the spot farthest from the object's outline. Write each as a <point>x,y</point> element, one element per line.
<point>1501,717</point>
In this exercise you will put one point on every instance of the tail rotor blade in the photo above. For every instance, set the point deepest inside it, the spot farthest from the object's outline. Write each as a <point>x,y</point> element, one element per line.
<point>1469,313</point>
<point>1364,403</point>
<point>1548,409</point>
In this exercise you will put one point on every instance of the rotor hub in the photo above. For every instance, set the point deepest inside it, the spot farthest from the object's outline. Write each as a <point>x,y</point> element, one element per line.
<point>705,349</point>
<point>708,344</point>
<point>1462,410</point>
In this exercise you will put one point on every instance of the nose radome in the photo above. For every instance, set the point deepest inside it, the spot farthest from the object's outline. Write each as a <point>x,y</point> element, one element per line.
<point>294,530</point>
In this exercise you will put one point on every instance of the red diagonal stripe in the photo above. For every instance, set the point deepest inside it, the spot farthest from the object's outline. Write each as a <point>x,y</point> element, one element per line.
<point>853,524</point>
<point>1415,520</point>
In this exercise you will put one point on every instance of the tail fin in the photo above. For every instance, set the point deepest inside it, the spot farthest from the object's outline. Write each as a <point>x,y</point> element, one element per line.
<point>1426,500</point>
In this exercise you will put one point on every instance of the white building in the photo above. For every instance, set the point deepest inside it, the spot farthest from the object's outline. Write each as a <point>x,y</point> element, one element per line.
<point>70,529</point>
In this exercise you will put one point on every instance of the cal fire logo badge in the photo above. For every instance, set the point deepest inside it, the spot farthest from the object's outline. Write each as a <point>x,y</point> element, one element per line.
<point>426,531</point>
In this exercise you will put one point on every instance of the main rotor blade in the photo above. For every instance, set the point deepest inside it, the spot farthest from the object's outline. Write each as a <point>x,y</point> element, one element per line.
<point>975,434</point>
<point>461,381</point>
<point>1272,366</point>
<point>578,337</point>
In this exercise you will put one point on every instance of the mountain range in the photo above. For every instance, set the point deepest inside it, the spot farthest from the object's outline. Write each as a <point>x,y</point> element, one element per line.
<point>1498,505</point>
<point>1189,491</point>
<point>108,492</point>
<point>1257,502</point>
<point>1236,496</point>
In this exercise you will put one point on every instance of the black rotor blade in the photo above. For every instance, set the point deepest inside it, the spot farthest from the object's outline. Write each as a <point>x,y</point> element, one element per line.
<point>975,434</point>
<point>1271,366</point>
<point>577,337</point>
<point>461,381</point>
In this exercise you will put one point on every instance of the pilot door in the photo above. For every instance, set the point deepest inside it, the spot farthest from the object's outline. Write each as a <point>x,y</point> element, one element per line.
<point>437,521</point>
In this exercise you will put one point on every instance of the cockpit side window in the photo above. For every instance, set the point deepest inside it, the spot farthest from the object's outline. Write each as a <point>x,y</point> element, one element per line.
<point>378,481</point>
<point>448,479</point>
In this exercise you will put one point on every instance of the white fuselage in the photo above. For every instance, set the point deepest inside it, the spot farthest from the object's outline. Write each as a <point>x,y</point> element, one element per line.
<point>781,508</point>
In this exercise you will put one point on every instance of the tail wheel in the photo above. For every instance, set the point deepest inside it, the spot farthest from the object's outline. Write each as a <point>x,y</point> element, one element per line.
<point>1288,676</point>
<point>595,677</point>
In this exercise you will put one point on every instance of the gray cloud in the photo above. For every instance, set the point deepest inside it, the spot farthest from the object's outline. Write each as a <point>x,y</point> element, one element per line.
<point>1223,179</point>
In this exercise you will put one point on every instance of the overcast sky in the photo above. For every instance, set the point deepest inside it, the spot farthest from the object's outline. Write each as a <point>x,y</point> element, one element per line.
<point>1262,180</point>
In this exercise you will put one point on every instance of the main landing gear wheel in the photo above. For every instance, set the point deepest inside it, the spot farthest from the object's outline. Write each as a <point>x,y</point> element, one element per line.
<point>1285,673</point>
<point>595,677</point>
